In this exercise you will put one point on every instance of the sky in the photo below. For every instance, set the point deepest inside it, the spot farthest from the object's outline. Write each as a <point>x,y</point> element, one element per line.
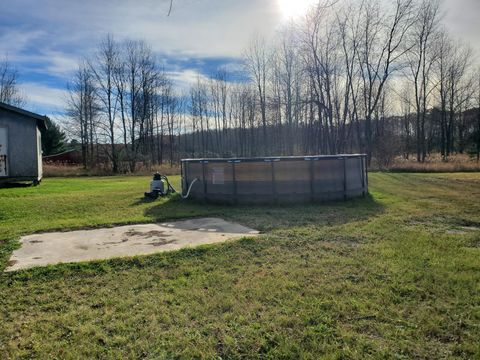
<point>46,39</point>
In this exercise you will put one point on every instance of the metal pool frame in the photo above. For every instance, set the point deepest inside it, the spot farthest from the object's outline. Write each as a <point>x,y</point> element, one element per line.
<point>279,179</point>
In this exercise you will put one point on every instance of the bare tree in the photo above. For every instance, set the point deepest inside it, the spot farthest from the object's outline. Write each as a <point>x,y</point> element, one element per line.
<point>83,113</point>
<point>364,76</point>
<point>421,56</point>
<point>407,111</point>
<point>382,36</point>
<point>287,84</point>
<point>140,75</point>
<point>103,67</point>
<point>256,60</point>
<point>9,90</point>
<point>477,130</point>
<point>453,65</point>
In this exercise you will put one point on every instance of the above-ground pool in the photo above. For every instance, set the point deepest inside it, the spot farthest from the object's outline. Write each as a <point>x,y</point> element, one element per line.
<point>276,179</point>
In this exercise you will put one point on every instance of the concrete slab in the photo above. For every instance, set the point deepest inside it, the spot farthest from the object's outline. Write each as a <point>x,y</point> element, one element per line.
<point>128,240</point>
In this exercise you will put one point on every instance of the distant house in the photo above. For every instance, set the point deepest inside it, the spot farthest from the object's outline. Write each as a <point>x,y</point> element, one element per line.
<point>20,144</point>
<point>72,156</point>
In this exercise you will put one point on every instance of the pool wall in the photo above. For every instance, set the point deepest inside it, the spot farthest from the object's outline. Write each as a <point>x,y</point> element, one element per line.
<point>283,179</point>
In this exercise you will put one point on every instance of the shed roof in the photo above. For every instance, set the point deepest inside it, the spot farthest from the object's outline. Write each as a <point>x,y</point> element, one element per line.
<point>41,119</point>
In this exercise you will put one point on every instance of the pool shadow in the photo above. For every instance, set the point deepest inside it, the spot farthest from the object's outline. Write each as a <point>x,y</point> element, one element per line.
<point>267,217</point>
<point>260,217</point>
<point>144,200</point>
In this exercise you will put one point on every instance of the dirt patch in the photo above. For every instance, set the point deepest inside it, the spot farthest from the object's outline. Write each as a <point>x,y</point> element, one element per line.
<point>470,228</point>
<point>463,227</point>
<point>114,242</point>
<point>128,240</point>
<point>147,234</point>
<point>161,242</point>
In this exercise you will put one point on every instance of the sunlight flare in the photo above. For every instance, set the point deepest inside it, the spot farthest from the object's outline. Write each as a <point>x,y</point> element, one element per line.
<point>291,9</point>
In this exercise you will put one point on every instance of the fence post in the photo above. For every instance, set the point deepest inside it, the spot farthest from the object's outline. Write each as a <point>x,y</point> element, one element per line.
<point>183,178</point>
<point>204,179</point>
<point>344,178</point>
<point>234,180</point>
<point>312,179</point>
<point>274,189</point>
<point>363,175</point>
<point>366,171</point>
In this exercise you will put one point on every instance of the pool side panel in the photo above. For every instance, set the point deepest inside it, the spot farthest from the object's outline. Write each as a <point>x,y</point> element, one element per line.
<point>276,179</point>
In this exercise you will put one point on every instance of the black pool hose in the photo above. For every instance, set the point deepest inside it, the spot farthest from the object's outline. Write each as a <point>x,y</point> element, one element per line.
<point>170,188</point>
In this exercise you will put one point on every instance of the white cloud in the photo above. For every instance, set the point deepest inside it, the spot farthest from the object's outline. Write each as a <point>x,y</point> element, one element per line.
<point>13,42</point>
<point>183,79</point>
<point>50,37</point>
<point>41,98</point>
<point>234,67</point>
<point>194,28</point>
<point>462,20</point>
<point>60,63</point>
<point>204,28</point>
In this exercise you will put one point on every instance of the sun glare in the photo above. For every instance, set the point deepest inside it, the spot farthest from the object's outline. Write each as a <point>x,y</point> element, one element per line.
<point>291,9</point>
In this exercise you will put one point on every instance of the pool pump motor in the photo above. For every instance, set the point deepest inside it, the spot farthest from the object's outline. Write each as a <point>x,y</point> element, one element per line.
<point>159,186</point>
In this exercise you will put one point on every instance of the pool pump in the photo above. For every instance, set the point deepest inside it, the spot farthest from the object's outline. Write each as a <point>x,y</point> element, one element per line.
<point>159,186</point>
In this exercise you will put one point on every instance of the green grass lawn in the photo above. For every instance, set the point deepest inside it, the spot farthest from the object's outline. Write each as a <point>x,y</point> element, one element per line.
<point>392,275</point>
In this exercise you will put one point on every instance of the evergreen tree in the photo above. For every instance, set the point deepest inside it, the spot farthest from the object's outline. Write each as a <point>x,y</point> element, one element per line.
<point>53,139</point>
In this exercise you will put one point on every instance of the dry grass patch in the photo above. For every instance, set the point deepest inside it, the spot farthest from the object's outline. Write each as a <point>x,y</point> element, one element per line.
<point>435,163</point>
<point>69,170</point>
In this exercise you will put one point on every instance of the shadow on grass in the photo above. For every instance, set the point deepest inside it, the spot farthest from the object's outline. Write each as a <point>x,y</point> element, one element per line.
<point>264,218</point>
<point>144,200</point>
<point>270,217</point>
<point>15,185</point>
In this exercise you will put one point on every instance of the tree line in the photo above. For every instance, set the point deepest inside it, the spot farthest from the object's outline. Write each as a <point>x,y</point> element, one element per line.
<point>122,98</point>
<point>356,77</point>
<point>360,76</point>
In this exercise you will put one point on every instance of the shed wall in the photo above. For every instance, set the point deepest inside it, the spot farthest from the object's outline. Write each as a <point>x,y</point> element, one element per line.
<point>23,156</point>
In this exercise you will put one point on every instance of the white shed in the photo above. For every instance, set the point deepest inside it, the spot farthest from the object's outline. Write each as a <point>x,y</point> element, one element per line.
<point>20,144</point>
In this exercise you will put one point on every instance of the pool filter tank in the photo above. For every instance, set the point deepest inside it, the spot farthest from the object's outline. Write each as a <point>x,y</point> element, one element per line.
<point>157,183</point>
<point>159,186</point>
